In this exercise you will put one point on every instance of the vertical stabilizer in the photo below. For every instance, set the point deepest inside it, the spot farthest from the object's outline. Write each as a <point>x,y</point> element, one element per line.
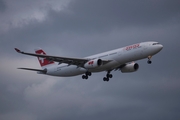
<point>43,61</point>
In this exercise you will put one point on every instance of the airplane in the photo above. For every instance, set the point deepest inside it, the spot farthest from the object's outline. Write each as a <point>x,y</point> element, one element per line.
<point>119,59</point>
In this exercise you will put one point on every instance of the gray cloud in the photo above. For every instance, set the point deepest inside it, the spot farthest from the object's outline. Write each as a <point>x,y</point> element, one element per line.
<point>81,28</point>
<point>2,6</point>
<point>92,15</point>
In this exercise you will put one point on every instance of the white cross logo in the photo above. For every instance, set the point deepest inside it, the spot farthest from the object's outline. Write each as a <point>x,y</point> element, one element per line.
<point>41,59</point>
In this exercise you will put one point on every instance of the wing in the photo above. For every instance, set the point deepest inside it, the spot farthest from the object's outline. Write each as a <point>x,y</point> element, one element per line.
<point>68,60</point>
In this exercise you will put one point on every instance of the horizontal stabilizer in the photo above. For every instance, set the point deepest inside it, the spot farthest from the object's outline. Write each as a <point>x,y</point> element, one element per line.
<point>38,70</point>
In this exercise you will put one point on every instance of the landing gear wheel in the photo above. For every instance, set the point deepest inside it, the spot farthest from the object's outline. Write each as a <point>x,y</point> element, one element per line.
<point>149,61</point>
<point>106,79</point>
<point>84,77</point>
<point>88,73</point>
<point>110,75</point>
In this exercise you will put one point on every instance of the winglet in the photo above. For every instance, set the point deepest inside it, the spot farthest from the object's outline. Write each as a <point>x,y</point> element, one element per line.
<point>17,50</point>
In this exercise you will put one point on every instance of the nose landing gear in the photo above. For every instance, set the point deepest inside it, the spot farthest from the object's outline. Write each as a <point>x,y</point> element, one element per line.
<point>149,60</point>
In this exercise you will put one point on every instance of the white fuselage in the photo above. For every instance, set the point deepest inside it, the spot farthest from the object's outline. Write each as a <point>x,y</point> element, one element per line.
<point>118,57</point>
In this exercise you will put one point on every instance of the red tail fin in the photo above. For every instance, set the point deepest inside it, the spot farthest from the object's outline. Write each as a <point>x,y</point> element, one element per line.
<point>43,61</point>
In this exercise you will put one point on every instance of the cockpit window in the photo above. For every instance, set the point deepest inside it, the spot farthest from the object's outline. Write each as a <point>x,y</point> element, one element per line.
<point>155,43</point>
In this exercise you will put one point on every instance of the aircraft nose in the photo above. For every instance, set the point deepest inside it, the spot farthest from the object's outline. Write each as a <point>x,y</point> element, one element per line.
<point>160,47</point>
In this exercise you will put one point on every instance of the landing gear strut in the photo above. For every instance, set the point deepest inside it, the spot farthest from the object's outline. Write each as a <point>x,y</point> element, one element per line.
<point>108,75</point>
<point>149,60</point>
<point>86,75</point>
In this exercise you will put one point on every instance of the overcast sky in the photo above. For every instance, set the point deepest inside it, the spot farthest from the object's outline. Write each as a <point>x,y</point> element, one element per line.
<point>79,28</point>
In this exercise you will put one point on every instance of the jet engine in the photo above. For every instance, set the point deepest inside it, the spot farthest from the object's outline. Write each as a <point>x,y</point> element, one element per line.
<point>132,67</point>
<point>93,64</point>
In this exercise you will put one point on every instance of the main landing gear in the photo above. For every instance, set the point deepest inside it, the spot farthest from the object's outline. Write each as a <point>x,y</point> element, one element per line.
<point>108,75</point>
<point>149,60</point>
<point>86,75</point>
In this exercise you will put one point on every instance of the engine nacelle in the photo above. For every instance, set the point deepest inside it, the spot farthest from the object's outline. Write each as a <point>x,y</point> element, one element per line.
<point>132,67</point>
<point>93,64</point>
